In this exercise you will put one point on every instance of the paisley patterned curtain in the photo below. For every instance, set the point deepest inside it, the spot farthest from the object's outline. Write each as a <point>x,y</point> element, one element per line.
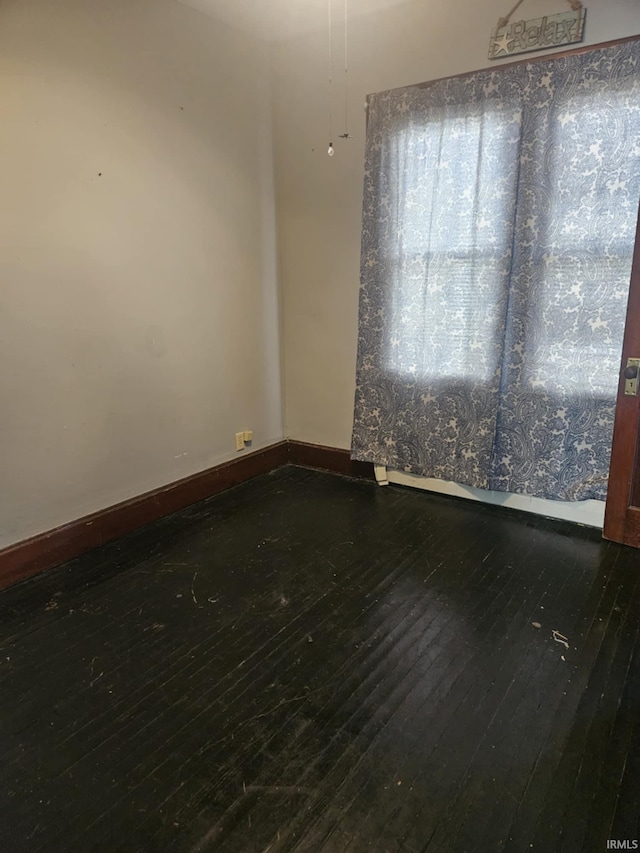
<point>498,228</point>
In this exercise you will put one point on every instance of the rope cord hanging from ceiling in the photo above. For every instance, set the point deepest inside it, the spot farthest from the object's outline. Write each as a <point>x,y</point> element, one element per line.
<point>331,150</point>
<point>346,134</point>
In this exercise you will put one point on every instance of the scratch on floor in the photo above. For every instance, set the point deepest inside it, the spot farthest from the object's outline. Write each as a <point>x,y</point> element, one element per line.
<point>193,594</point>
<point>279,789</point>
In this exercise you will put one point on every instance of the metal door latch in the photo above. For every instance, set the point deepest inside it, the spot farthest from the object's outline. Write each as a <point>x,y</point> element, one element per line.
<point>631,377</point>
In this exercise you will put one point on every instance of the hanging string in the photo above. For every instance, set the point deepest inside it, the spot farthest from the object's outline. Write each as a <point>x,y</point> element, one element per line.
<point>346,134</point>
<point>576,5</point>
<point>331,150</point>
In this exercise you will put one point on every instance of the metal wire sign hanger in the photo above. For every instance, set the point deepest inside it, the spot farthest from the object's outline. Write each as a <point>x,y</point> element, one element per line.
<point>510,39</point>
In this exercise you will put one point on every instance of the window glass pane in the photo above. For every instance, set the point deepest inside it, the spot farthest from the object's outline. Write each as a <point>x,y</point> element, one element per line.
<point>456,179</point>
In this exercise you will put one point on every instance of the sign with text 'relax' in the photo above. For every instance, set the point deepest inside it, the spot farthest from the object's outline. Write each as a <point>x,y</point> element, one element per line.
<point>537,34</point>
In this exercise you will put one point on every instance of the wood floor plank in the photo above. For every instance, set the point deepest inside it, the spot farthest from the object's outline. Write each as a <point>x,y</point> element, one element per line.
<point>311,663</point>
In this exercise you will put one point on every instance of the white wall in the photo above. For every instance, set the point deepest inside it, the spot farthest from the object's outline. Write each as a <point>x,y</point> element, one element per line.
<point>319,199</point>
<point>138,308</point>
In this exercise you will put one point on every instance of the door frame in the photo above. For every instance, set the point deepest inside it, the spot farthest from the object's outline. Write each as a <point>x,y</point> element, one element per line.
<point>622,519</point>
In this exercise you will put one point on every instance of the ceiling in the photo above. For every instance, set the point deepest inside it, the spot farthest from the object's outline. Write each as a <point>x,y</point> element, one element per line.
<point>281,19</point>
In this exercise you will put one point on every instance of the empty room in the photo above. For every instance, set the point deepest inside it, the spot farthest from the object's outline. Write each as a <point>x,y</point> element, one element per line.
<point>319,425</point>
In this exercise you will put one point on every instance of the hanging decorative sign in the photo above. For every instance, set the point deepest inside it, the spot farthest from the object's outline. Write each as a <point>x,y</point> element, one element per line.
<point>510,39</point>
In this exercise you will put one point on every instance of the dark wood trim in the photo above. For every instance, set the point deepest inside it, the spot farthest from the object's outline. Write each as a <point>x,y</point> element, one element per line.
<point>328,459</point>
<point>619,510</point>
<point>559,54</point>
<point>49,549</point>
<point>54,547</point>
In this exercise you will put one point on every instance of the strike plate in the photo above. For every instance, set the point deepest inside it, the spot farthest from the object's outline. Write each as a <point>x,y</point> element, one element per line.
<point>631,383</point>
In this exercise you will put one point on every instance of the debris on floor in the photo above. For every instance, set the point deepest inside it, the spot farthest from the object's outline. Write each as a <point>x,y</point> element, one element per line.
<point>560,638</point>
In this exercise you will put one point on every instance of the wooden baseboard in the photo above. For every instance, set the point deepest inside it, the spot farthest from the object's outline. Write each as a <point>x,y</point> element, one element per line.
<point>54,547</point>
<point>328,459</point>
<point>49,549</point>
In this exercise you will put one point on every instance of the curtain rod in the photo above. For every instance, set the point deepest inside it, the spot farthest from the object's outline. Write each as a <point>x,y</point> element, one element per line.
<point>546,56</point>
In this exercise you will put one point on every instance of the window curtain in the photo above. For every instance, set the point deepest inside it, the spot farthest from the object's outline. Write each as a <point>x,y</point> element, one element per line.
<point>498,228</point>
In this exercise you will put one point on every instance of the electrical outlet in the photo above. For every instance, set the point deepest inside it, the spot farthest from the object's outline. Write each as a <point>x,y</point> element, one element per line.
<point>239,441</point>
<point>248,436</point>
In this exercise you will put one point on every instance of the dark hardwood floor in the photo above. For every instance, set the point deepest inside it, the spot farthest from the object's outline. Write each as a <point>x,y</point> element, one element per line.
<point>313,663</point>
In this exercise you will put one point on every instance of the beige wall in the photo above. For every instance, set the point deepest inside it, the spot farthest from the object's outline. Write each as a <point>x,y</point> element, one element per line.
<point>319,199</point>
<point>138,309</point>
